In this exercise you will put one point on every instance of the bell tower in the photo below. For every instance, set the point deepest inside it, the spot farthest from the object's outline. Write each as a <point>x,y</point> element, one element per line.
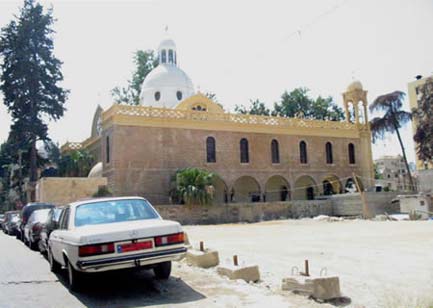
<point>355,103</point>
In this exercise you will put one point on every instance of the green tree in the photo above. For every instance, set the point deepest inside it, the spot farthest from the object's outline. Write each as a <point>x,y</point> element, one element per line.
<point>144,61</point>
<point>256,107</point>
<point>377,173</point>
<point>298,103</point>
<point>193,186</point>
<point>391,121</point>
<point>77,163</point>
<point>422,115</point>
<point>212,96</point>
<point>30,76</point>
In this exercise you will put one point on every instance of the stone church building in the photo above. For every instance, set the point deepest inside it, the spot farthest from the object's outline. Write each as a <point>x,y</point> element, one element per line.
<point>255,158</point>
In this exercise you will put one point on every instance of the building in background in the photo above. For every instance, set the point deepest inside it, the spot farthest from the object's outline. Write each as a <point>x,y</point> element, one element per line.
<point>424,170</point>
<point>393,174</point>
<point>255,158</point>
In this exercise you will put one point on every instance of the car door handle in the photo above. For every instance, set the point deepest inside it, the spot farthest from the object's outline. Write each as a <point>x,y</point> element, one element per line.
<point>61,238</point>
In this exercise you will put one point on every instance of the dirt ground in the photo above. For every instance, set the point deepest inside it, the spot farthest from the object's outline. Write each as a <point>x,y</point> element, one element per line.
<point>380,264</point>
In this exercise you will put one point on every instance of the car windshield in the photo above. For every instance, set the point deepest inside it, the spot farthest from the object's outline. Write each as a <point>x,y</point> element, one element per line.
<point>113,211</point>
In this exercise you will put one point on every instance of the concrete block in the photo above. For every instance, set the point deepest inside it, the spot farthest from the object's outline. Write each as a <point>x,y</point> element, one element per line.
<point>247,273</point>
<point>326,288</point>
<point>298,284</point>
<point>204,259</point>
<point>323,288</point>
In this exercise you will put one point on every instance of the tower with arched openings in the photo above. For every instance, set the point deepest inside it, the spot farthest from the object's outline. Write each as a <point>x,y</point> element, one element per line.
<point>355,103</point>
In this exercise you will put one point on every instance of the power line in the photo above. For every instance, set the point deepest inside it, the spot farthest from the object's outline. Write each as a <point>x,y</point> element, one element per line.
<point>316,19</point>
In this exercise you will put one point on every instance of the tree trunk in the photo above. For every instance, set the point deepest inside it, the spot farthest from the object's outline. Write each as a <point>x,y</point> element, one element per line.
<point>33,169</point>
<point>405,160</point>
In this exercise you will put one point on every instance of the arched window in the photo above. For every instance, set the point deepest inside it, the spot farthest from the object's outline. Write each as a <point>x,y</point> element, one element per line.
<point>170,56</point>
<point>351,153</point>
<point>210,150</point>
<point>303,152</point>
<point>244,151</point>
<point>179,95</point>
<point>329,158</point>
<point>163,56</point>
<point>107,149</point>
<point>275,152</point>
<point>157,95</point>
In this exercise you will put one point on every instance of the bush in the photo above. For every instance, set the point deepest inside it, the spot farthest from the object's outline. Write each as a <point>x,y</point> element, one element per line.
<point>102,191</point>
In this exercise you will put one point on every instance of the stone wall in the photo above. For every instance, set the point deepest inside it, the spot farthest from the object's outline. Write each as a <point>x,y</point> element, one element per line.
<point>65,190</point>
<point>425,180</point>
<point>338,205</point>
<point>378,203</point>
<point>143,161</point>
<point>244,212</point>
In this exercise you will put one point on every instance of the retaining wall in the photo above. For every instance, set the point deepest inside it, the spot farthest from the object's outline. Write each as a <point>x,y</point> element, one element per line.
<point>337,205</point>
<point>62,191</point>
<point>244,212</point>
<point>378,203</point>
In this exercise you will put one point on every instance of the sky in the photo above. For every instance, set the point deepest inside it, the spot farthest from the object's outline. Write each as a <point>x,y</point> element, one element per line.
<point>240,50</point>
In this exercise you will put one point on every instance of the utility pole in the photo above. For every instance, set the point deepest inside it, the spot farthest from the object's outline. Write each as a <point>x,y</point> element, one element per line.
<point>365,210</point>
<point>20,174</point>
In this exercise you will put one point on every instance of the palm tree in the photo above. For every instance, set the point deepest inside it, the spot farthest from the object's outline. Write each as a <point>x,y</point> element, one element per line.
<point>393,119</point>
<point>194,186</point>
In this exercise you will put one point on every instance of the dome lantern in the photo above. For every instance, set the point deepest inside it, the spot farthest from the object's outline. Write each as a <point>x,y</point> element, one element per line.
<point>167,52</point>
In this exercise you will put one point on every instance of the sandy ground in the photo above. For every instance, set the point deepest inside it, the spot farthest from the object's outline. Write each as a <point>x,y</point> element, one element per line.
<point>380,264</point>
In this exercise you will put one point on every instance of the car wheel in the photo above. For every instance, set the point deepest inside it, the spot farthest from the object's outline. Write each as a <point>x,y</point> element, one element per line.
<point>54,265</point>
<point>74,278</point>
<point>162,270</point>
<point>32,245</point>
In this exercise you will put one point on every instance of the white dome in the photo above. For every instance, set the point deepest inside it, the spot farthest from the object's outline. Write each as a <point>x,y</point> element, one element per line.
<point>96,171</point>
<point>166,85</point>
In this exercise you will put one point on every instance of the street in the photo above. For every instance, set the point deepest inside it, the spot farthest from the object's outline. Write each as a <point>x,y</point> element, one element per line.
<point>26,281</point>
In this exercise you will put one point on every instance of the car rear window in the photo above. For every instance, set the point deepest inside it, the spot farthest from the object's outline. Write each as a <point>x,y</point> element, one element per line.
<point>113,211</point>
<point>41,215</point>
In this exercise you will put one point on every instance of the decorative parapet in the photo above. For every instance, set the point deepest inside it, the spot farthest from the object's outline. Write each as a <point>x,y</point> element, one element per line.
<point>70,146</point>
<point>73,146</point>
<point>152,113</point>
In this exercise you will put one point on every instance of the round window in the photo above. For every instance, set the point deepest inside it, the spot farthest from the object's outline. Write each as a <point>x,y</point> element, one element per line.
<point>157,95</point>
<point>179,95</point>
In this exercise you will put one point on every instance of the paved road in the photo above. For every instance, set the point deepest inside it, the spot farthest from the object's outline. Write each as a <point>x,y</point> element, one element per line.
<point>26,281</point>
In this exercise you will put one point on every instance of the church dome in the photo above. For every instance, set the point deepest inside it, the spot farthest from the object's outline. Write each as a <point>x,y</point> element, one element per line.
<point>355,85</point>
<point>166,85</point>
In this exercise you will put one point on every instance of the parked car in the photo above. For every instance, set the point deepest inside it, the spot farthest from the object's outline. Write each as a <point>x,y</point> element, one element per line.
<point>33,227</point>
<point>2,219</point>
<point>51,224</point>
<point>26,212</point>
<point>114,233</point>
<point>11,221</point>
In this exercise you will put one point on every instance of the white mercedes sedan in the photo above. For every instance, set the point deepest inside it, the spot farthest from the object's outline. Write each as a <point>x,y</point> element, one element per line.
<point>114,233</point>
